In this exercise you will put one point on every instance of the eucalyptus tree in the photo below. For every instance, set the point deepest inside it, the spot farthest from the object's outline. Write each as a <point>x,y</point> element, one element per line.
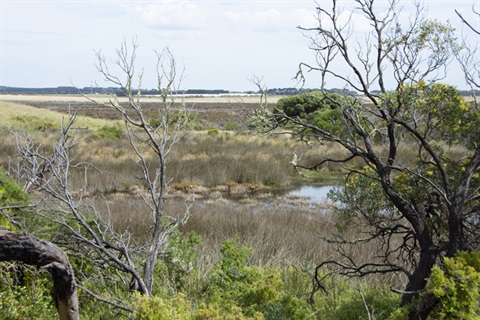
<point>418,208</point>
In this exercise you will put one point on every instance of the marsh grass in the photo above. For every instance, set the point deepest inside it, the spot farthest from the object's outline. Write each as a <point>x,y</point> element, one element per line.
<point>279,231</point>
<point>282,231</point>
<point>227,157</point>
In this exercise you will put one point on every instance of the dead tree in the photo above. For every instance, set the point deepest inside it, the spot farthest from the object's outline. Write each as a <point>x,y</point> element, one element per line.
<point>88,234</point>
<point>157,133</point>
<point>85,233</point>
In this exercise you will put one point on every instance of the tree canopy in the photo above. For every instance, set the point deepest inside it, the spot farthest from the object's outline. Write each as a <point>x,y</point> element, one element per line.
<point>417,193</point>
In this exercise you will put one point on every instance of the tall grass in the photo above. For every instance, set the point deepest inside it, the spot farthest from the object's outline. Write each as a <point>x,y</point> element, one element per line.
<point>208,160</point>
<point>226,157</point>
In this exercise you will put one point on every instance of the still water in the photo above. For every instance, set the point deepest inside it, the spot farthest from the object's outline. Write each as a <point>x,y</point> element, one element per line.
<point>313,194</point>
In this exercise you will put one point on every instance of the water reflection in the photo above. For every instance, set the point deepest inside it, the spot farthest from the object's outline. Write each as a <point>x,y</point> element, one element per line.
<point>312,194</point>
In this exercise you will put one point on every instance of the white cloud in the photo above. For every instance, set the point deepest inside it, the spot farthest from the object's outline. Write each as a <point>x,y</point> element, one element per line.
<point>172,15</point>
<point>255,20</point>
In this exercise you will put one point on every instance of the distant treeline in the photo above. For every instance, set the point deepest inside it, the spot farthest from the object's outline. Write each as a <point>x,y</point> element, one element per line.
<point>294,91</point>
<point>119,92</point>
<point>57,90</point>
<point>96,90</point>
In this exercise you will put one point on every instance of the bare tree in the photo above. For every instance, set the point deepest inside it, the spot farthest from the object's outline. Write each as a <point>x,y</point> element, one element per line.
<point>87,234</point>
<point>416,210</point>
<point>145,136</point>
<point>468,57</point>
<point>84,232</point>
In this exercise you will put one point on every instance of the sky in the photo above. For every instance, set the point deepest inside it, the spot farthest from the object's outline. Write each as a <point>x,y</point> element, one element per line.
<point>218,44</point>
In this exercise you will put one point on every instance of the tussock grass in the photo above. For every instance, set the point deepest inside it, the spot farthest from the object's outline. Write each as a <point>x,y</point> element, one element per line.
<point>281,233</point>
<point>226,157</point>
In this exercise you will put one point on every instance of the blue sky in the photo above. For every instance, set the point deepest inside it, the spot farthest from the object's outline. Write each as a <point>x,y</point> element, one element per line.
<point>221,44</point>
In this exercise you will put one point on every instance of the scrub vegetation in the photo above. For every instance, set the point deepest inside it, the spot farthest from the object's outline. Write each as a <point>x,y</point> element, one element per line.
<point>172,211</point>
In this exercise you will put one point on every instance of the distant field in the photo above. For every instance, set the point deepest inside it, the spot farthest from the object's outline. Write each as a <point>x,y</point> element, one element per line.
<point>248,99</point>
<point>212,111</point>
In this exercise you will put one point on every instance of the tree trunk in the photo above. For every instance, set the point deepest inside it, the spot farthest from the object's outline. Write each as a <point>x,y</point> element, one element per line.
<point>33,251</point>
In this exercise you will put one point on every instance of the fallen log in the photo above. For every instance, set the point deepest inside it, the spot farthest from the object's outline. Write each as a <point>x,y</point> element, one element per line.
<point>34,251</point>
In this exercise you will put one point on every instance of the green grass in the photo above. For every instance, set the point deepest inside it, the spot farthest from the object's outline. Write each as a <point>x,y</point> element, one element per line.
<point>16,116</point>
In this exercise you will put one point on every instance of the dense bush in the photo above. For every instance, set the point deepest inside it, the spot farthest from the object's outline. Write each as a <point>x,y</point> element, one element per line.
<point>25,294</point>
<point>456,287</point>
<point>254,289</point>
<point>11,195</point>
<point>315,108</point>
<point>112,132</point>
<point>303,104</point>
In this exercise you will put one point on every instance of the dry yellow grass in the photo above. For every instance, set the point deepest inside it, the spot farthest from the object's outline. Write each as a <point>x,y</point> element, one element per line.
<point>12,112</point>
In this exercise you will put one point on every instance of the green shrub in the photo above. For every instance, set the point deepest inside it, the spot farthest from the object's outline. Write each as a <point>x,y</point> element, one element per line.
<point>456,287</point>
<point>213,131</point>
<point>11,194</point>
<point>256,290</point>
<point>213,312</point>
<point>108,133</point>
<point>231,125</point>
<point>157,308</point>
<point>344,301</point>
<point>26,297</point>
<point>178,262</point>
<point>453,290</point>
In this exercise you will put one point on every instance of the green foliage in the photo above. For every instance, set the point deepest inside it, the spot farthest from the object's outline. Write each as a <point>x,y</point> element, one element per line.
<point>35,123</point>
<point>447,116</point>
<point>213,131</point>
<point>327,119</point>
<point>344,301</point>
<point>108,133</point>
<point>11,194</point>
<point>155,122</point>
<point>157,308</point>
<point>231,125</point>
<point>452,290</point>
<point>456,287</point>
<point>25,294</point>
<point>178,262</point>
<point>214,312</point>
<point>432,35</point>
<point>315,108</point>
<point>362,195</point>
<point>305,104</point>
<point>253,289</point>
